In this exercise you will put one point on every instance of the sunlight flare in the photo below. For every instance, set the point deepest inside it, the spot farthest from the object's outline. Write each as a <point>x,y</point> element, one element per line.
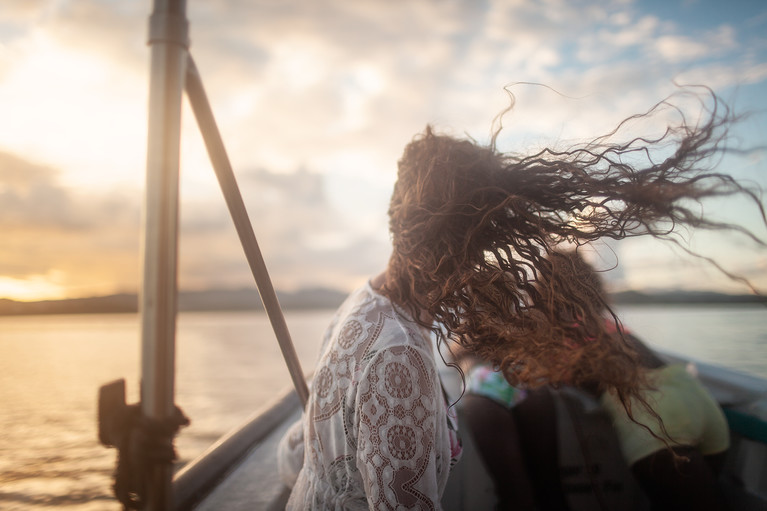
<point>36,287</point>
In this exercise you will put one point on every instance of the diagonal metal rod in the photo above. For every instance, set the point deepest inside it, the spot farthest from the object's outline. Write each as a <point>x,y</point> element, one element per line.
<point>223,168</point>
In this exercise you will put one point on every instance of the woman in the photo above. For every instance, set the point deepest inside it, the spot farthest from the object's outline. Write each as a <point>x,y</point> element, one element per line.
<point>471,229</point>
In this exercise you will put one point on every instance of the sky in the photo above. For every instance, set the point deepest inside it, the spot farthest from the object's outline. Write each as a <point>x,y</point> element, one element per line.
<point>315,101</point>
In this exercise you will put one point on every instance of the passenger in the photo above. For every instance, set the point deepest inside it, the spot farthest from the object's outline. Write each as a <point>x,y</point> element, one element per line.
<point>471,229</point>
<point>515,432</point>
<point>685,476</point>
<point>487,407</point>
<point>676,437</point>
<point>519,435</point>
<point>695,427</point>
<point>675,448</point>
<point>547,451</point>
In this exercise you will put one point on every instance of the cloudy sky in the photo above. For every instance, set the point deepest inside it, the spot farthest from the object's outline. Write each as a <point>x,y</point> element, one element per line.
<point>315,101</point>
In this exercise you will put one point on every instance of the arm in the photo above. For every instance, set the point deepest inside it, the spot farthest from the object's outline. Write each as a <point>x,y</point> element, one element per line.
<point>399,416</point>
<point>290,453</point>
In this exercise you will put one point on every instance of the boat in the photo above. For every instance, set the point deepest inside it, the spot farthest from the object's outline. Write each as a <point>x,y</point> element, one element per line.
<point>239,472</point>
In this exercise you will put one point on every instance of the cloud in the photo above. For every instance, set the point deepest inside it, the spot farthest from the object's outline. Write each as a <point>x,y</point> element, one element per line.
<point>681,48</point>
<point>304,82</point>
<point>113,31</point>
<point>647,263</point>
<point>28,197</point>
<point>89,244</point>
<point>304,238</point>
<point>78,243</point>
<point>73,110</point>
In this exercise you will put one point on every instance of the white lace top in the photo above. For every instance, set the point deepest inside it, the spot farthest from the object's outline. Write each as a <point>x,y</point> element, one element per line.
<point>377,432</point>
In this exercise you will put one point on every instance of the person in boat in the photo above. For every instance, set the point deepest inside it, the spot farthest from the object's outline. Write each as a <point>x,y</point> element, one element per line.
<point>487,406</point>
<point>471,230</point>
<point>675,447</point>
<point>675,438</point>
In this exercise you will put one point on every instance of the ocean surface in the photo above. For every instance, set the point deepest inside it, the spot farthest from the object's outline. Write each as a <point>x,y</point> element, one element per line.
<point>228,365</point>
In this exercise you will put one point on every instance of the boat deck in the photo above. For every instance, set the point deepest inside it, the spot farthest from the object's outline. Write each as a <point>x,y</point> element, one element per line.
<point>254,484</point>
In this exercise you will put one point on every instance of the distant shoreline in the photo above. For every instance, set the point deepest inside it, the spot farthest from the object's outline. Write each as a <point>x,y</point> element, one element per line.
<point>209,300</point>
<point>315,298</point>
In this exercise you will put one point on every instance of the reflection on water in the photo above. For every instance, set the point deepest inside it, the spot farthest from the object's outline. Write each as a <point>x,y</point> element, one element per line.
<point>228,365</point>
<point>50,368</point>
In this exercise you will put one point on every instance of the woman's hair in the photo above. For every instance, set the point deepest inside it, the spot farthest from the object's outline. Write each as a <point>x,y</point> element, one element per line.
<point>473,231</point>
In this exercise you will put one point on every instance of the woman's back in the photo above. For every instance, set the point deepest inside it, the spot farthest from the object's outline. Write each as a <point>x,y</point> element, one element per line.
<point>376,430</point>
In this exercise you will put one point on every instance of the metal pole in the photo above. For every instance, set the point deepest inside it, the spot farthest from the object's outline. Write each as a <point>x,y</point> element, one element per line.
<point>168,38</point>
<point>223,168</point>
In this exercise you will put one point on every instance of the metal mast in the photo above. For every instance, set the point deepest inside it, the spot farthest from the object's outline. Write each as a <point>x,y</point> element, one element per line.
<point>172,69</point>
<point>168,38</point>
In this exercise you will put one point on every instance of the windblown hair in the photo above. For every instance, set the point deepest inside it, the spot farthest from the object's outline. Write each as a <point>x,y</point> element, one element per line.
<point>473,230</point>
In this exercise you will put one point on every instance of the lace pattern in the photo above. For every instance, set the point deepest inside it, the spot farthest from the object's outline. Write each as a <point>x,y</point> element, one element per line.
<point>377,432</point>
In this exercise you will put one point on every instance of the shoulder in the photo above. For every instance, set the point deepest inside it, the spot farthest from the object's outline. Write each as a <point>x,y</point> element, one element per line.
<point>373,320</point>
<point>399,342</point>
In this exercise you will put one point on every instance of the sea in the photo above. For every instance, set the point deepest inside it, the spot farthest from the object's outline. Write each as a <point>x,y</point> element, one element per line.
<point>228,365</point>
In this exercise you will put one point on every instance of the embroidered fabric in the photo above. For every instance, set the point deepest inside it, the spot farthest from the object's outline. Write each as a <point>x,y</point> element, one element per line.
<point>377,432</point>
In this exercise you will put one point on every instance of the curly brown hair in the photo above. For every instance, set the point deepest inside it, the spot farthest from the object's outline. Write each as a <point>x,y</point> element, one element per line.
<point>473,230</point>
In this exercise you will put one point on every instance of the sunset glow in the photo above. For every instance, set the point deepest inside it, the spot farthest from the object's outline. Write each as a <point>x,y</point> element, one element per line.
<point>73,111</point>
<point>37,287</point>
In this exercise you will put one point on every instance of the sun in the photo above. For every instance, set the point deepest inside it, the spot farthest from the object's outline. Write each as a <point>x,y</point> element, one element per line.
<point>34,288</point>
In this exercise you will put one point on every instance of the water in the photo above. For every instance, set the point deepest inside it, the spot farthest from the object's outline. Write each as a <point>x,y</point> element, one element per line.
<point>228,365</point>
<point>731,336</point>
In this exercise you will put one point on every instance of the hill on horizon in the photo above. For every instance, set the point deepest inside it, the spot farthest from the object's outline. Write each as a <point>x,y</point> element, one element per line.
<point>206,300</point>
<point>311,298</point>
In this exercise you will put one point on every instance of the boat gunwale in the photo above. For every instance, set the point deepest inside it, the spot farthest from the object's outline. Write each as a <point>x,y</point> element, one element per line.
<point>198,477</point>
